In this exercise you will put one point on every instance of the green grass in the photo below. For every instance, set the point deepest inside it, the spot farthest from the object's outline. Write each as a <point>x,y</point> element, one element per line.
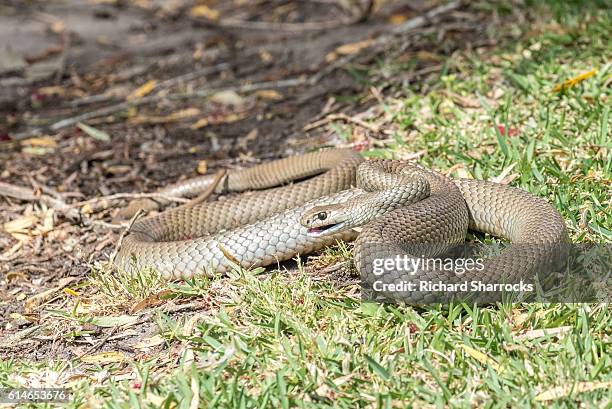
<point>292,340</point>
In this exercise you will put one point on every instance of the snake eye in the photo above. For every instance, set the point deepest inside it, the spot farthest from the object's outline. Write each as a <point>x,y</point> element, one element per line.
<point>322,216</point>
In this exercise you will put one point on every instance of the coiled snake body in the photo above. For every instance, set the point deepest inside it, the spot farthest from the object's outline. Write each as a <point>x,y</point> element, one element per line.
<point>403,208</point>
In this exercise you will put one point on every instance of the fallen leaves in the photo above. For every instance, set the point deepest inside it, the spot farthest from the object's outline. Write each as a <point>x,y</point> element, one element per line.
<point>204,11</point>
<point>40,298</point>
<point>20,225</point>
<point>103,358</point>
<point>569,389</point>
<point>142,91</point>
<point>114,321</point>
<point>30,225</point>
<point>572,82</point>
<point>269,94</point>
<point>164,119</point>
<point>545,332</point>
<point>44,141</point>
<point>93,132</point>
<point>480,357</point>
<point>38,146</point>
<point>397,19</point>
<point>202,167</point>
<point>151,301</point>
<point>228,98</point>
<point>348,49</point>
<point>217,120</point>
<point>505,177</point>
<point>149,343</point>
<point>54,90</point>
<point>243,143</point>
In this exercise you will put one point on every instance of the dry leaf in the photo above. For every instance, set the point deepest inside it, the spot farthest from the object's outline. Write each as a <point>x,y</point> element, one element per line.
<point>244,142</point>
<point>504,175</point>
<point>223,119</point>
<point>103,358</point>
<point>352,48</point>
<point>397,19</point>
<point>269,94</point>
<point>173,117</point>
<point>191,323</point>
<point>20,225</point>
<point>200,123</point>
<point>114,321</point>
<point>52,90</point>
<point>567,390</point>
<point>58,27</point>
<point>150,342</point>
<point>71,292</point>
<point>16,316</point>
<point>93,132</point>
<point>265,55</point>
<point>150,301</point>
<point>195,390</point>
<point>39,298</point>
<point>480,356</point>
<point>347,49</point>
<point>428,56</point>
<point>204,11</point>
<point>465,102</point>
<point>551,332</point>
<point>16,275</point>
<point>227,97</point>
<point>572,82</point>
<point>227,254</point>
<point>143,90</point>
<point>202,167</point>
<point>44,141</point>
<point>7,254</point>
<point>36,150</point>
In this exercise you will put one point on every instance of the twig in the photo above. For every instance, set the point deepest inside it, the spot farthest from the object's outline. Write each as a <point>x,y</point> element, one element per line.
<point>107,225</point>
<point>113,255</point>
<point>344,117</point>
<point>118,196</point>
<point>190,76</point>
<point>421,20</point>
<point>28,195</point>
<point>164,84</point>
<point>99,344</point>
<point>64,123</point>
<point>409,25</point>
<point>229,22</point>
<point>210,189</point>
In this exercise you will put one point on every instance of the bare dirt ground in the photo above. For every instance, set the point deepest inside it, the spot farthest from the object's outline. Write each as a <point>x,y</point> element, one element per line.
<point>172,88</point>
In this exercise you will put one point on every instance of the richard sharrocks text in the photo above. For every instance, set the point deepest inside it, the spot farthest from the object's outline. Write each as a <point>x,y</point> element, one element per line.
<point>439,286</point>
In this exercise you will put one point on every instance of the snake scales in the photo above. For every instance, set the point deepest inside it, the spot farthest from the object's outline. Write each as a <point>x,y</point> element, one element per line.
<point>403,208</point>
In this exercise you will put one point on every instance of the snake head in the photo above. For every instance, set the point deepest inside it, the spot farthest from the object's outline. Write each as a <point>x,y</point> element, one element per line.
<point>324,220</point>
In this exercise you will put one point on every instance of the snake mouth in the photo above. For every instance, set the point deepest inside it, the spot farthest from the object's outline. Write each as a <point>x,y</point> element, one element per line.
<point>325,230</point>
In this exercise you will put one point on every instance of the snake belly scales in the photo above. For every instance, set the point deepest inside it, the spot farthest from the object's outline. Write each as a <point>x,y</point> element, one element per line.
<point>266,224</point>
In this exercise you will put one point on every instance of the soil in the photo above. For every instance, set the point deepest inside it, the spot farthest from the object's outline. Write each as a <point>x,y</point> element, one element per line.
<point>62,59</point>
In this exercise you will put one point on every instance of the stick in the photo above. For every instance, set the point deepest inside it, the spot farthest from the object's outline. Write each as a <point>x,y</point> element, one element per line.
<point>210,189</point>
<point>409,25</point>
<point>28,195</point>
<point>344,117</point>
<point>64,123</point>
<point>118,196</point>
<point>164,84</point>
<point>295,27</point>
<point>113,255</point>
